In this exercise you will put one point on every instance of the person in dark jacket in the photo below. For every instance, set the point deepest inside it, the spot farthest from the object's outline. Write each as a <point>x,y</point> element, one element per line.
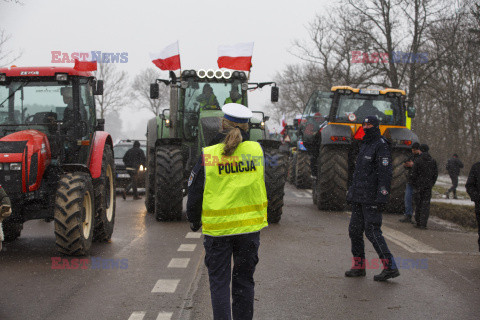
<point>133,159</point>
<point>367,194</point>
<point>408,164</point>
<point>424,176</point>
<point>473,190</point>
<point>453,168</point>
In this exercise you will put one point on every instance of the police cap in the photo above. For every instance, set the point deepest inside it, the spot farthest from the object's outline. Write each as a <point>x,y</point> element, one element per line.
<point>236,112</point>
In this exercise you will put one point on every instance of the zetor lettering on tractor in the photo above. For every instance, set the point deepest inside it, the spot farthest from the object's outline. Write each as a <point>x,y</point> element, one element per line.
<point>331,130</point>
<point>56,162</point>
<point>175,140</point>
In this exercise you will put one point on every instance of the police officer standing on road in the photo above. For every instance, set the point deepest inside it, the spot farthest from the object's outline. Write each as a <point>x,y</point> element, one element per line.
<point>227,193</point>
<point>368,193</point>
<point>473,190</point>
<point>133,159</point>
<point>453,168</point>
<point>409,188</point>
<point>424,176</point>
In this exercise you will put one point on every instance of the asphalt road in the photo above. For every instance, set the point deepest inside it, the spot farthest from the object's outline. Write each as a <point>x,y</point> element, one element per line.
<point>299,276</point>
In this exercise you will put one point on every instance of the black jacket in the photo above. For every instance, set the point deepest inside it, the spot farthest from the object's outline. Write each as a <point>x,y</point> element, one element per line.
<point>373,171</point>
<point>473,183</point>
<point>424,172</point>
<point>413,158</point>
<point>134,157</point>
<point>453,166</point>
<point>196,182</point>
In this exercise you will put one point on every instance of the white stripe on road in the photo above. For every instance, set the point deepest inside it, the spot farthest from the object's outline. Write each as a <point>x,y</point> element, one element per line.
<point>187,247</point>
<point>166,285</point>
<point>137,315</point>
<point>178,263</point>
<point>408,243</point>
<point>193,235</point>
<point>300,194</point>
<point>164,316</point>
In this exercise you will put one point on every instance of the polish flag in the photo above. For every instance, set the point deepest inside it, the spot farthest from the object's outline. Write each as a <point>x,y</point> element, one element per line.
<point>85,62</point>
<point>283,123</point>
<point>236,57</point>
<point>168,58</point>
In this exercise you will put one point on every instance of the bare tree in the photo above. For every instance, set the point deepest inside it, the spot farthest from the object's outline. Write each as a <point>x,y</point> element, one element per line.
<point>114,97</point>
<point>141,92</point>
<point>7,57</point>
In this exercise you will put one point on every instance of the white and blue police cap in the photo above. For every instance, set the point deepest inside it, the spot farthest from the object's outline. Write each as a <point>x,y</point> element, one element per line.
<point>236,112</point>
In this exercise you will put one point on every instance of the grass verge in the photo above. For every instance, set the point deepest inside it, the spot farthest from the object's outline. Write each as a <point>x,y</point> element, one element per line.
<point>459,214</point>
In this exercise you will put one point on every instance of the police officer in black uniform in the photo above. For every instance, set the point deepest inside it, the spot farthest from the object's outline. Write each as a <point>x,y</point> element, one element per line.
<point>133,159</point>
<point>473,190</point>
<point>368,193</point>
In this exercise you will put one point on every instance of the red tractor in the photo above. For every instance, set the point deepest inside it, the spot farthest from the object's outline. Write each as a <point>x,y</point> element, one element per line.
<point>56,162</point>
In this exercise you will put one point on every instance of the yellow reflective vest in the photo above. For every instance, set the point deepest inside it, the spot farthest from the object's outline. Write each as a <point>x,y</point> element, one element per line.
<point>234,197</point>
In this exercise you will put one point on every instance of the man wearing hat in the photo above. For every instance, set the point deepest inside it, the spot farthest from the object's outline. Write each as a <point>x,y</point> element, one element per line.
<point>424,176</point>
<point>367,195</point>
<point>453,168</point>
<point>408,164</point>
<point>227,198</point>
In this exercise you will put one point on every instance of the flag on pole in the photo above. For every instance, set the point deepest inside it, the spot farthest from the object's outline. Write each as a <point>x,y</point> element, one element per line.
<point>283,123</point>
<point>168,58</point>
<point>85,62</point>
<point>236,57</point>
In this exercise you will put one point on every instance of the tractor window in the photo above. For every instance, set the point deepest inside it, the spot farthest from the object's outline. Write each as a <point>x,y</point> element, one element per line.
<point>207,96</point>
<point>87,105</point>
<point>316,111</point>
<point>353,108</point>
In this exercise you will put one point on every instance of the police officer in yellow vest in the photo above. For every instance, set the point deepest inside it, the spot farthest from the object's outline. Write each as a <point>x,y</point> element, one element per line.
<point>234,97</point>
<point>227,197</point>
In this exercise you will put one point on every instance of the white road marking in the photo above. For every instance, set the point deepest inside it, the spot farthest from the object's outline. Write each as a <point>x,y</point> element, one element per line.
<point>137,315</point>
<point>166,285</point>
<point>164,316</point>
<point>178,263</point>
<point>408,243</point>
<point>193,235</point>
<point>301,194</point>
<point>187,247</point>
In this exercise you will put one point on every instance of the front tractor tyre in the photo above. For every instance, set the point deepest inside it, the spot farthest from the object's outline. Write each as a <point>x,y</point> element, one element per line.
<point>168,183</point>
<point>74,214</point>
<point>303,175</point>
<point>150,183</point>
<point>275,177</point>
<point>396,203</point>
<point>105,198</point>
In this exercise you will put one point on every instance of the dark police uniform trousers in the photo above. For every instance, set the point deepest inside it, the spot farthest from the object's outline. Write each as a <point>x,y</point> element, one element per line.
<point>218,255</point>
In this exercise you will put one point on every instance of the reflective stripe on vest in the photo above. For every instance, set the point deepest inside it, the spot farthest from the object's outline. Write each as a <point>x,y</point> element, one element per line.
<point>229,100</point>
<point>234,198</point>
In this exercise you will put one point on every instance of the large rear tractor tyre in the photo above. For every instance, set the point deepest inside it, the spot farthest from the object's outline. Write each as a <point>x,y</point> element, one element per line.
<point>275,177</point>
<point>105,199</point>
<point>303,178</point>
<point>292,161</point>
<point>168,183</point>
<point>396,202</point>
<point>332,180</point>
<point>74,214</point>
<point>150,183</point>
<point>11,229</point>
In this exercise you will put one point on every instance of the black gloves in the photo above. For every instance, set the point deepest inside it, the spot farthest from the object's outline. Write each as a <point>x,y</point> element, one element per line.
<point>195,226</point>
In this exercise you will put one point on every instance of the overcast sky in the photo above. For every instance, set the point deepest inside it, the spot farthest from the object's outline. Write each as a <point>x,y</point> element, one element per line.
<point>138,27</point>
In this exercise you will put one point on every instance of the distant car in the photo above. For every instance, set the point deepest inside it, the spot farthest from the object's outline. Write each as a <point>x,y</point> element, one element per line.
<point>119,151</point>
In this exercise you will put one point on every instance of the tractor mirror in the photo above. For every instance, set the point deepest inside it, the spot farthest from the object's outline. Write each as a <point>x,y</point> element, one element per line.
<point>154,91</point>
<point>266,118</point>
<point>98,88</point>
<point>274,97</point>
<point>411,111</point>
<point>100,125</point>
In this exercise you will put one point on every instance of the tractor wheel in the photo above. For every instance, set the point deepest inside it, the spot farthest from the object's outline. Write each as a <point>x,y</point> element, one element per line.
<point>275,177</point>
<point>292,161</point>
<point>11,229</point>
<point>168,183</point>
<point>303,179</point>
<point>332,180</point>
<point>150,183</point>
<point>396,202</point>
<point>105,198</point>
<point>74,214</point>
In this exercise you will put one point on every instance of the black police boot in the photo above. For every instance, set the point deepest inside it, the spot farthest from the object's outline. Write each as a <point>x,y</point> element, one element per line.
<point>447,195</point>
<point>386,274</point>
<point>455,194</point>
<point>406,219</point>
<point>355,273</point>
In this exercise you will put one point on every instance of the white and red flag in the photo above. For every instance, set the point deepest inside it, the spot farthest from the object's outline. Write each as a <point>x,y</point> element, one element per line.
<point>236,57</point>
<point>85,62</point>
<point>283,123</point>
<point>168,58</point>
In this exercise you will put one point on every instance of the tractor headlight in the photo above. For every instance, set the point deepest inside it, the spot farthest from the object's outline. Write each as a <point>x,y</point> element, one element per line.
<point>167,123</point>
<point>1,166</point>
<point>262,125</point>
<point>210,73</point>
<point>61,77</point>
<point>3,77</point>
<point>142,168</point>
<point>16,166</point>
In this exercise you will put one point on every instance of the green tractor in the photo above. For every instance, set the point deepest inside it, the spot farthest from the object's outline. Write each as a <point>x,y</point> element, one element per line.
<point>176,137</point>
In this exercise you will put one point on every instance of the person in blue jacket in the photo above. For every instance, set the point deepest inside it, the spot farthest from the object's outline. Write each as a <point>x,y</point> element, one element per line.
<point>368,194</point>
